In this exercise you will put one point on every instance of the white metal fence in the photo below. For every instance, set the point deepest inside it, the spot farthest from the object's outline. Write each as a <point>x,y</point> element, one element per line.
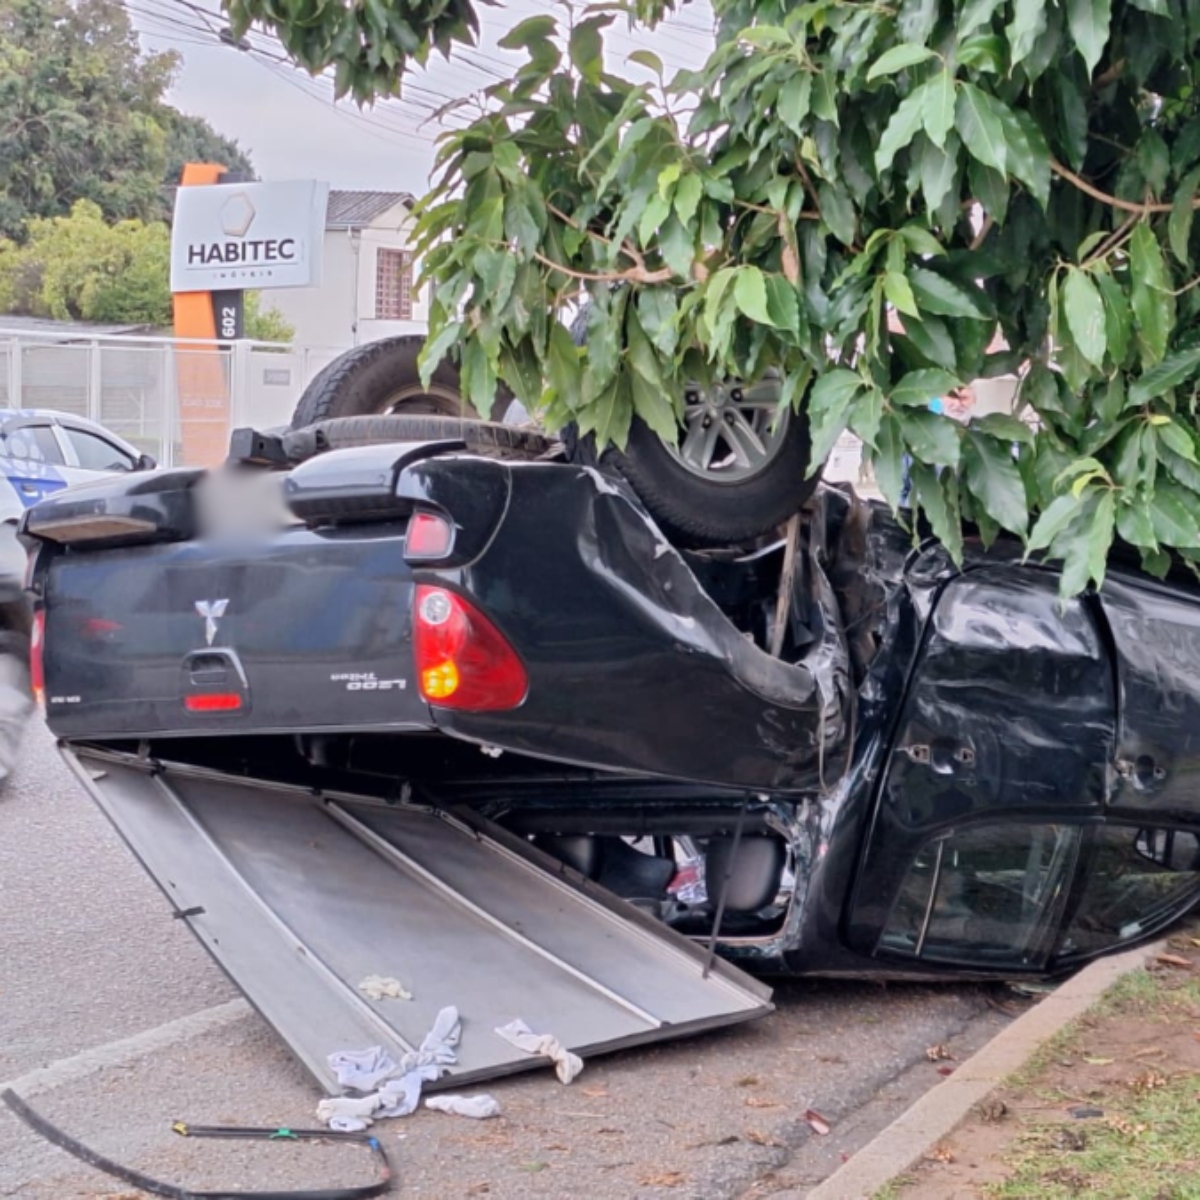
<point>175,399</point>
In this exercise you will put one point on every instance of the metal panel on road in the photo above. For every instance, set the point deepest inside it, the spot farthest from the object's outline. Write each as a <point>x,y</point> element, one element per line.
<point>300,898</point>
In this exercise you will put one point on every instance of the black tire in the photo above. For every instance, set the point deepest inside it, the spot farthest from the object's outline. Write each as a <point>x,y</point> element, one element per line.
<point>698,513</point>
<point>694,511</point>
<point>480,437</point>
<point>380,378</point>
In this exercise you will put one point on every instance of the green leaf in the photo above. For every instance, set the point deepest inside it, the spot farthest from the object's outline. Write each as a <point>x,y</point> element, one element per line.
<point>973,14</point>
<point>898,58</point>
<point>677,244</point>
<point>938,170</point>
<point>1152,307</point>
<point>1118,320</point>
<point>750,295</point>
<point>867,415</point>
<point>887,460</point>
<point>908,118</point>
<point>979,124</point>
<point>1161,379</point>
<point>687,197</point>
<point>655,409</point>
<point>1028,153</point>
<point>919,388</point>
<point>932,438</point>
<point>1178,439</point>
<point>1085,315</point>
<point>938,107</point>
<point>586,48</point>
<point>1004,428</point>
<point>833,388</point>
<point>1088,21</point>
<point>1052,522</point>
<point>647,59</point>
<point>837,210</point>
<point>1027,25</point>
<point>1171,518</point>
<point>829,407</point>
<point>985,54</point>
<point>668,177</point>
<point>1183,212</point>
<point>898,292</point>
<point>993,477</point>
<point>532,29</point>
<point>653,215</point>
<point>783,303</point>
<point>1133,524</point>
<point>937,294</point>
<point>933,342</point>
<point>1100,536</point>
<point>938,496</point>
<point>794,100</point>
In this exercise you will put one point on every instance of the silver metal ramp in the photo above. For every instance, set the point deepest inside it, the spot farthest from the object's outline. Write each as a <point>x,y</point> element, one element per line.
<point>299,898</point>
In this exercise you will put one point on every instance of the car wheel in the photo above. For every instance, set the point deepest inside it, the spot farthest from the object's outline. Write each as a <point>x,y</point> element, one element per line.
<point>381,378</point>
<point>736,472</point>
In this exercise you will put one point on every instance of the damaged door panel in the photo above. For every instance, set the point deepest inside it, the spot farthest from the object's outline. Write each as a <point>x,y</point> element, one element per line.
<point>301,897</point>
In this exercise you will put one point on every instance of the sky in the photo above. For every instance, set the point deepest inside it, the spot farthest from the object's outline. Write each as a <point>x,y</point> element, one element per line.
<point>289,125</point>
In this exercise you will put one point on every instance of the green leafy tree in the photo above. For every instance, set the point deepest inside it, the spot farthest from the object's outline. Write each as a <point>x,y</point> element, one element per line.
<point>79,112</point>
<point>81,267</point>
<point>193,139</point>
<point>84,268</point>
<point>1027,167</point>
<point>265,324</point>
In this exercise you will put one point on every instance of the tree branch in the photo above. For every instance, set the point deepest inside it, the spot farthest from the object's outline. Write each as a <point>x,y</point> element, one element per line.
<point>1129,206</point>
<point>633,275</point>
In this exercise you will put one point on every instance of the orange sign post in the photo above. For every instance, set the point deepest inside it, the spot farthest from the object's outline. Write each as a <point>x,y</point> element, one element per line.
<point>202,372</point>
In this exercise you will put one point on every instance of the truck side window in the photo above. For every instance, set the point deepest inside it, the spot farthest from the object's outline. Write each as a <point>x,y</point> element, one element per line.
<point>1133,880</point>
<point>983,895</point>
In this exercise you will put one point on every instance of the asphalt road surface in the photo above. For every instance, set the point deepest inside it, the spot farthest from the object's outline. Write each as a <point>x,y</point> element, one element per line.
<point>114,1023</point>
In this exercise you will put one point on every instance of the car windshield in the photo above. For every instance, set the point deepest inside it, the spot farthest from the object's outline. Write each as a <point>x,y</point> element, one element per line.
<point>983,895</point>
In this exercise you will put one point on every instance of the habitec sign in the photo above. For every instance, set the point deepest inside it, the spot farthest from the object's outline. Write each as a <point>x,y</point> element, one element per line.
<point>238,236</point>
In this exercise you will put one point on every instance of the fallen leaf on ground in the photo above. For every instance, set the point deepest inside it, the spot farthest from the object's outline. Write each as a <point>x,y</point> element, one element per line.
<point>942,1154</point>
<point>665,1179</point>
<point>816,1122</point>
<point>1148,1081</point>
<point>594,1092</point>
<point>1174,960</point>
<point>1148,1052</point>
<point>559,1146</point>
<point>756,1102</point>
<point>761,1139</point>
<point>1098,1062</point>
<point>534,1167</point>
<point>937,1053</point>
<point>747,1081</point>
<point>478,1189</point>
<point>945,1070</point>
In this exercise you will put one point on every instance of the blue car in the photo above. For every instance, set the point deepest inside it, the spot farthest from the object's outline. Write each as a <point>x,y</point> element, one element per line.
<point>41,452</point>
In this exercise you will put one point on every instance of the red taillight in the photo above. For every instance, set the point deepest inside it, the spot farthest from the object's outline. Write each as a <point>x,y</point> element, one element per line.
<point>428,536</point>
<point>37,668</point>
<point>463,660</point>
<point>212,702</point>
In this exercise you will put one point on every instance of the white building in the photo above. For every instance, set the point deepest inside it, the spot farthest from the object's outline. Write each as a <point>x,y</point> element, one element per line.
<point>366,290</point>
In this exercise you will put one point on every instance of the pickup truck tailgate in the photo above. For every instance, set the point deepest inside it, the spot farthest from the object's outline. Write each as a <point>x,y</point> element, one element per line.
<point>300,897</point>
<point>304,630</point>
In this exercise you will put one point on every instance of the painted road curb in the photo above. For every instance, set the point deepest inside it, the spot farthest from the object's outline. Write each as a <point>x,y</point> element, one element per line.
<point>907,1139</point>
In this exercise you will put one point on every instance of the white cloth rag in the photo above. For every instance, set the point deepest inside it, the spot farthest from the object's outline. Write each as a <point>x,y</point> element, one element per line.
<point>363,1070</point>
<point>348,1114</point>
<point>478,1108</point>
<point>399,1084</point>
<point>518,1034</point>
<point>380,987</point>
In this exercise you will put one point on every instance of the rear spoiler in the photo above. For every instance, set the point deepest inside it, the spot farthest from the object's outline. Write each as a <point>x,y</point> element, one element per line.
<point>356,486</point>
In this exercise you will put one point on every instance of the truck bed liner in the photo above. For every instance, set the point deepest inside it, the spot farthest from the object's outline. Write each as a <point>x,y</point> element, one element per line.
<point>299,897</point>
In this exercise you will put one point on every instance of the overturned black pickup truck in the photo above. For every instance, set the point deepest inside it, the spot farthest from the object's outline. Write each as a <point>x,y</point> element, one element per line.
<point>455,711</point>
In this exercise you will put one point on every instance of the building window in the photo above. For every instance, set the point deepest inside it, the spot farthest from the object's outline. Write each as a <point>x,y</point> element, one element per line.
<point>393,286</point>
